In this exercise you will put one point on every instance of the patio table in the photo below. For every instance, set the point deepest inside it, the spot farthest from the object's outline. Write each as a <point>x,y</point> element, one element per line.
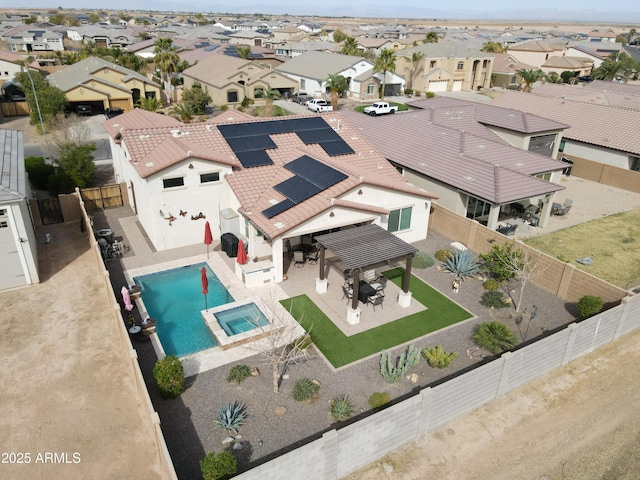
<point>365,291</point>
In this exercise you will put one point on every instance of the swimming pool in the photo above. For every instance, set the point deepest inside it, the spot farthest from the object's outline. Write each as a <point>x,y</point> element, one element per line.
<point>174,298</point>
<point>241,319</point>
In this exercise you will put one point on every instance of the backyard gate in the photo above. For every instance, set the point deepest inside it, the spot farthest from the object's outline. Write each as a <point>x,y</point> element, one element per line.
<point>109,196</point>
<point>50,211</point>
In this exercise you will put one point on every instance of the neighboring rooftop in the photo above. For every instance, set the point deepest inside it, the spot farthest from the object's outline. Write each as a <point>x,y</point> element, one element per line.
<point>13,177</point>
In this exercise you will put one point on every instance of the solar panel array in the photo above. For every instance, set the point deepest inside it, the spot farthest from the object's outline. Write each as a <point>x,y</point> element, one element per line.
<point>249,141</point>
<point>232,51</point>
<point>311,177</point>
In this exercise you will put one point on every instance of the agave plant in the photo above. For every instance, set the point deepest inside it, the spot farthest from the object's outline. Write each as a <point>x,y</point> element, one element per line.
<point>462,264</point>
<point>232,416</point>
<point>341,408</point>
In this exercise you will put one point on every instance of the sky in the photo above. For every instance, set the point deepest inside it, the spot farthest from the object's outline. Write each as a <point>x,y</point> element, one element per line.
<point>611,11</point>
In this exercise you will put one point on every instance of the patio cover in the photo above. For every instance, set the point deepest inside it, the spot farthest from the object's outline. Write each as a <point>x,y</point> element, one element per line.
<point>364,246</point>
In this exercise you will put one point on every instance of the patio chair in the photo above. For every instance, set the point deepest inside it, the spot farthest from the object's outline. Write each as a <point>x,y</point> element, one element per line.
<point>376,299</point>
<point>312,257</point>
<point>379,284</point>
<point>298,259</point>
<point>347,293</point>
<point>369,276</point>
<point>507,229</point>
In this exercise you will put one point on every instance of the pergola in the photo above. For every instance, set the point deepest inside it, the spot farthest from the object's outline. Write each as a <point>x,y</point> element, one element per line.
<point>362,247</point>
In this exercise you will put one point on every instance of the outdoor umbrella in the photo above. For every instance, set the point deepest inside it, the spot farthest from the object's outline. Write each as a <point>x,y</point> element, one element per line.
<point>242,255</point>
<point>205,286</point>
<point>126,299</point>
<point>208,238</point>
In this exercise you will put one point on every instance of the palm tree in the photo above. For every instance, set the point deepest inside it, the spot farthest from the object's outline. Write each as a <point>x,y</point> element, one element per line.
<point>151,104</point>
<point>338,84</point>
<point>350,47</point>
<point>269,96</point>
<point>184,111</point>
<point>386,62</point>
<point>416,57</point>
<point>618,64</point>
<point>495,337</point>
<point>432,37</point>
<point>167,59</point>
<point>243,51</point>
<point>493,47</point>
<point>529,77</point>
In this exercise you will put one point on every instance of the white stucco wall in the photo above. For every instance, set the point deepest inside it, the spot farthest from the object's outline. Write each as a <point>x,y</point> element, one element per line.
<point>595,153</point>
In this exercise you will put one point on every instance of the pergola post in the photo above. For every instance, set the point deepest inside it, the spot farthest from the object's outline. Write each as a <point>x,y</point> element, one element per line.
<point>322,284</point>
<point>404,297</point>
<point>356,288</point>
<point>321,263</point>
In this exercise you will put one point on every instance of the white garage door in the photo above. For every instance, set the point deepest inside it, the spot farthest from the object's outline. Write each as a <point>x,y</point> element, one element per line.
<point>439,86</point>
<point>11,273</point>
<point>457,85</point>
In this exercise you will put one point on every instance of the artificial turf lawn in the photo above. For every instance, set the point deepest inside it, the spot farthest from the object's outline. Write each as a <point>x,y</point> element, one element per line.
<point>341,350</point>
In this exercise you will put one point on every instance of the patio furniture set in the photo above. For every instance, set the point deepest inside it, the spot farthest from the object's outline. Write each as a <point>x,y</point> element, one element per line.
<point>370,289</point>
<point>561,209</point>
<point>302,256</point>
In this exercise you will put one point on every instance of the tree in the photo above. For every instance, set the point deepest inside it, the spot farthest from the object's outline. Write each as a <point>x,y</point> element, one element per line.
<point>58,19</point>
<point>339,35</point>
<point>151,104</point>
<point>269,96</point>
<point>567,75</point>
<point>94,17</point>
<point>167,59</point>
<point>47,102</point>
<point>493,47</point>
<point>338,85</point>
<point>243,51</point>
<point>618,64</point>
<point>197,98</point>
<point>283,342</point>
<point>386,62</point>
<point>416,58</point>
<point>350,47</point>
<point>495,337</point>
<point>553,77</point>
<point>184,111</point>
<point>77,162</point>
<point>529,77</point>
<point>431,37</point>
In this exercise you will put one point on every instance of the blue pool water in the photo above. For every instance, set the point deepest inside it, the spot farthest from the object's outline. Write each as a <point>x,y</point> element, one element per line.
<point>241,319</point>
<point>174,298</point>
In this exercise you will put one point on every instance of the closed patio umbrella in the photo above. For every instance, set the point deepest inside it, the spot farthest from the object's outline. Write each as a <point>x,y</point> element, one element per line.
<point>208,238</point>
<point>205,286</point>
<point>242,255</point>
<point>126,299</point>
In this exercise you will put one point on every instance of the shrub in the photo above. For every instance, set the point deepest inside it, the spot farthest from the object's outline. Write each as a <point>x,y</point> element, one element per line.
<point>169,375</point>
<point>341,408</point>
<point>218,465</point>
<point>407,360</point>
<point>429,94</point>
<point>495,337</point>
<point>493,299</point>
<point>423,260</point>
<point>302,343</point>
<point>408,91</point>
<point>246,101</point>
<point>238,373</point>
<point>500,258</point>
<point>491,284</point>
<point>231,417</point>
<point>437,357</point>
<point>224,108</point>
<point>443,254</point>
<point>462,264</point>
<point>589,305</point>
<point>38,171</point>
<point>379,400</point>
<point>304,389</point>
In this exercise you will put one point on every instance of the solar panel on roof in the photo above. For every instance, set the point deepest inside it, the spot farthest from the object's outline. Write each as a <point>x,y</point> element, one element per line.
<point>211,48</point>
<point>318,135</point>
<point>254,158</point>
<point>336,148</point>
<point>297,189</point>
<point>253,142</point>
<point>278,208</point>
<point>321,175</point>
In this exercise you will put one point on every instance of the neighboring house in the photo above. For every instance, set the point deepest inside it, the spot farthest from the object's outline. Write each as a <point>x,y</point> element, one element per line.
<point>18,245</point>
<point>505,71</point>
<point>597,36</point>
<point>271,182</point>
<point>480,160</point>
<point>287,34</point>
<point>229,80</point>
<point>536,52</point>
<point>36,40</point>
<point>105,37</point>
<point>311,71</point>
<point>11,64</point>
<point>373,44</point>
<point>598,133</point>
<point>248,37</point>
<point>309,27</point>
<point>102,84</point>
<point>295,49</point>
<point>580,66</point>
<point>596,52</point>
<point>445,67</point>
<point>597,92</point>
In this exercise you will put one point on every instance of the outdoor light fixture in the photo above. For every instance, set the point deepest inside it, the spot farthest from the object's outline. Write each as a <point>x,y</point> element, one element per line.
<point>161,213</point>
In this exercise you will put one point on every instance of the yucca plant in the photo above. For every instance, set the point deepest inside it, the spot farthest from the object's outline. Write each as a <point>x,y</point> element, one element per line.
<point>461,265</point>
<point>341,408</point>
<point>495,337</point>
<point>437,357</point>
<point>232,416</point>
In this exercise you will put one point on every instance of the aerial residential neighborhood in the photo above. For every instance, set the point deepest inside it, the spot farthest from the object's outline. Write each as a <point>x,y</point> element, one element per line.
<point>235,245</point>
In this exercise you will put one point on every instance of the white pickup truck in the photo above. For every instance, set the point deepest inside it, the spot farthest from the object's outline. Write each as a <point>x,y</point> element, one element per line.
<point>319,105</point>
<point>380,108</point>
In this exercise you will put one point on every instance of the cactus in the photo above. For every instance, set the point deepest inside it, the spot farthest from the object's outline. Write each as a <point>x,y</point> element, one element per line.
<point>437,357</point>
<point>407,360</point>
<point>232,416</point>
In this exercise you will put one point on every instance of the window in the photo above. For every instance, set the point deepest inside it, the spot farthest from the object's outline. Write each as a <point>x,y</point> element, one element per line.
<point>432,64</point>
<point>232,96</point>
<point>399,219</point>
<point>477,208</point>
<point>371,88</point>
<point>4,224</point>
<point>209,177</point>
<point>562,144</point>
<point>258,92</point>
<point>544,176</point>
<point>173,182</point>
<point>635,164</point>
<point>542,144</point>
<point>303,84</point>
<point>460,65</point>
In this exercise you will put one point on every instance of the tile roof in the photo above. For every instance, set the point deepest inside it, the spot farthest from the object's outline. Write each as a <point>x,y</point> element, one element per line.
<point>156,148</point>
<point>536,46</point>
<point>600,125</point>
<point>134,119</point>
<point>444,49</point>
<point>319,65</point>
<point>443,144</point>
<point>506,63</point>
<point>588,94</point>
